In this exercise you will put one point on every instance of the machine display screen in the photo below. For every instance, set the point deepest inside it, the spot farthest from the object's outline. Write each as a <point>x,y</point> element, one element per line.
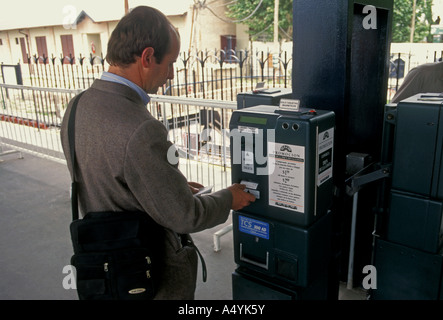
<point>253,120</point>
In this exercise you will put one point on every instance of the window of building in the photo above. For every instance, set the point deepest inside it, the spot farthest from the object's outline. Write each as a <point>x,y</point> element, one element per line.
<point>42,49</point>
<point>23,49</point>
<point>67,48</point>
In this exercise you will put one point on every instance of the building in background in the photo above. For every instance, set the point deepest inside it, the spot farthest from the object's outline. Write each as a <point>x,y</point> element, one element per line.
<point>56,29</point>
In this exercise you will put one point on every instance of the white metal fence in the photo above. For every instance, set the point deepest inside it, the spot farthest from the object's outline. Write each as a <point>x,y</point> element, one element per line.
<point>30,120</point>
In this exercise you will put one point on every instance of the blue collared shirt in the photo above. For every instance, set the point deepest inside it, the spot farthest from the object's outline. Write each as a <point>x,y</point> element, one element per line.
<point>108,76</point>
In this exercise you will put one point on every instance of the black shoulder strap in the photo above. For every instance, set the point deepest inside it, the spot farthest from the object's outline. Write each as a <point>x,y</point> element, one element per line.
<point>71,137</point>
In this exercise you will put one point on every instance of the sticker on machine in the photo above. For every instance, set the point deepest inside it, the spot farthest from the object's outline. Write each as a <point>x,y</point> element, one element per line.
<point>247,161</point>
<point>287,180</point>
<point>325,156</point>
<point>253,227</point>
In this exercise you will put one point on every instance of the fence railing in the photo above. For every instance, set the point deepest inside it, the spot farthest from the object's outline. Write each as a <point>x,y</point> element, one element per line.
<point>191,107</point>
<point>30,120</point>
<point>66,72</point>
<point>199,130</point>
<point>216,74</point>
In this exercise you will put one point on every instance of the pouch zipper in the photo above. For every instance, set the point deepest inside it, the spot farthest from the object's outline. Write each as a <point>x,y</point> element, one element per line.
<point>148,272</point>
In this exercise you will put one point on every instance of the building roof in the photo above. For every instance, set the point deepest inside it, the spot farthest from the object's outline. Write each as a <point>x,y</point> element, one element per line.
<point>24,14</point>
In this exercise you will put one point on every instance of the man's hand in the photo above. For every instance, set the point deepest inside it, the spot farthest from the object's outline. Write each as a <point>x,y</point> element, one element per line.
<point>195,187</point>
<point>240,198</point>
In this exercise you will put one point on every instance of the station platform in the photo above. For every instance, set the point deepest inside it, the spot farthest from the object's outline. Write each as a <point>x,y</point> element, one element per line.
<point>35,242</point>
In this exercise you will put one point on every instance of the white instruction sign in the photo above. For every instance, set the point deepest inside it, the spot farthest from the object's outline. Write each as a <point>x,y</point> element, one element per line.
<point>325,155</point>
<point>287,180</point>
<point>247,162</point>
<point>290,104</point>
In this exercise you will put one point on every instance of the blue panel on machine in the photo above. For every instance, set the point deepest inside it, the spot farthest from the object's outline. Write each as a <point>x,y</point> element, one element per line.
<point>253,227</point>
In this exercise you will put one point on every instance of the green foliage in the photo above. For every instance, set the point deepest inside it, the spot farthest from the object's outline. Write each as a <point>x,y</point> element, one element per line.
<point>402,18</point>
<point>261,23</point>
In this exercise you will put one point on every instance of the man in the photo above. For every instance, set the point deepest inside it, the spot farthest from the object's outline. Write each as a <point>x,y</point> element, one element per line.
<point>426,78</point>
<point>122,151</point>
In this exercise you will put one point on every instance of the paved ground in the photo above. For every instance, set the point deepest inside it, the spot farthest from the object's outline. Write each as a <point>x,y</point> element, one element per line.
<point>35,242</point>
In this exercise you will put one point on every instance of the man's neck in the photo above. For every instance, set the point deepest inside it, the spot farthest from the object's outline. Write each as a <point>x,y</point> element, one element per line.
<point>129,73</point>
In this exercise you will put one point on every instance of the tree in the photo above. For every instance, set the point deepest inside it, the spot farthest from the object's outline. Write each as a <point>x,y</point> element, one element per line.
<point>402,18</point>
<point>260,20</point>
<point>258,15</point>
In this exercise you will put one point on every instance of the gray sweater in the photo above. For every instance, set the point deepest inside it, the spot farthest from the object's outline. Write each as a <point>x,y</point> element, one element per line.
<point>122,159</point>
<point>425,78</point>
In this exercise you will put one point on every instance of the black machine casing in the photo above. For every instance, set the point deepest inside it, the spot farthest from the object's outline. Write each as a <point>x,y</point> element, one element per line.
<point>292,171</point>
<point>250,285</point>
<point>345,70</point>
<point>418,146</point>
<point>282,240</point>
<point>413,136</point>
<point>408,254</point>
<point>281,251</point>
<point>404,273</point>
<point>415,222</point>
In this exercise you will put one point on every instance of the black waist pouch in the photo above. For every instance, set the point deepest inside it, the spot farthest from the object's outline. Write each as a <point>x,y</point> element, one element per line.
<point>117,255</point>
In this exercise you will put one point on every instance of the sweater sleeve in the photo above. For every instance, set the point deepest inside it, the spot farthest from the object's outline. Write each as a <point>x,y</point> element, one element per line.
<point>162,190</point>
<point>411,85</point>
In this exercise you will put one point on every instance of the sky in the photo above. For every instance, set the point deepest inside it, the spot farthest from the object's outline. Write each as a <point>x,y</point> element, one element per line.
<point>20,13</point>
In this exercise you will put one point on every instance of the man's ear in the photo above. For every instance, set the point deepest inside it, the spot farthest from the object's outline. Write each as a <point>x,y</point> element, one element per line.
<point>147,57</point>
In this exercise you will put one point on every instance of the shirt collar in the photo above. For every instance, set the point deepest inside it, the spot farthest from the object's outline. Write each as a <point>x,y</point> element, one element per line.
<point>112,77</point>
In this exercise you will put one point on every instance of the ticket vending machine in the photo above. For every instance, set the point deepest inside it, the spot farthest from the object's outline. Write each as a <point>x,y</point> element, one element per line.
<point>263,96</point>
<point>282,240</point>
<point>408,253</point>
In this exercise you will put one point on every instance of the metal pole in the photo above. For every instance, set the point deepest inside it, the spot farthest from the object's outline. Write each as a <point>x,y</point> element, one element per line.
<point>352,245</point>
<point>276,5</point>
<point>411,37</point>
